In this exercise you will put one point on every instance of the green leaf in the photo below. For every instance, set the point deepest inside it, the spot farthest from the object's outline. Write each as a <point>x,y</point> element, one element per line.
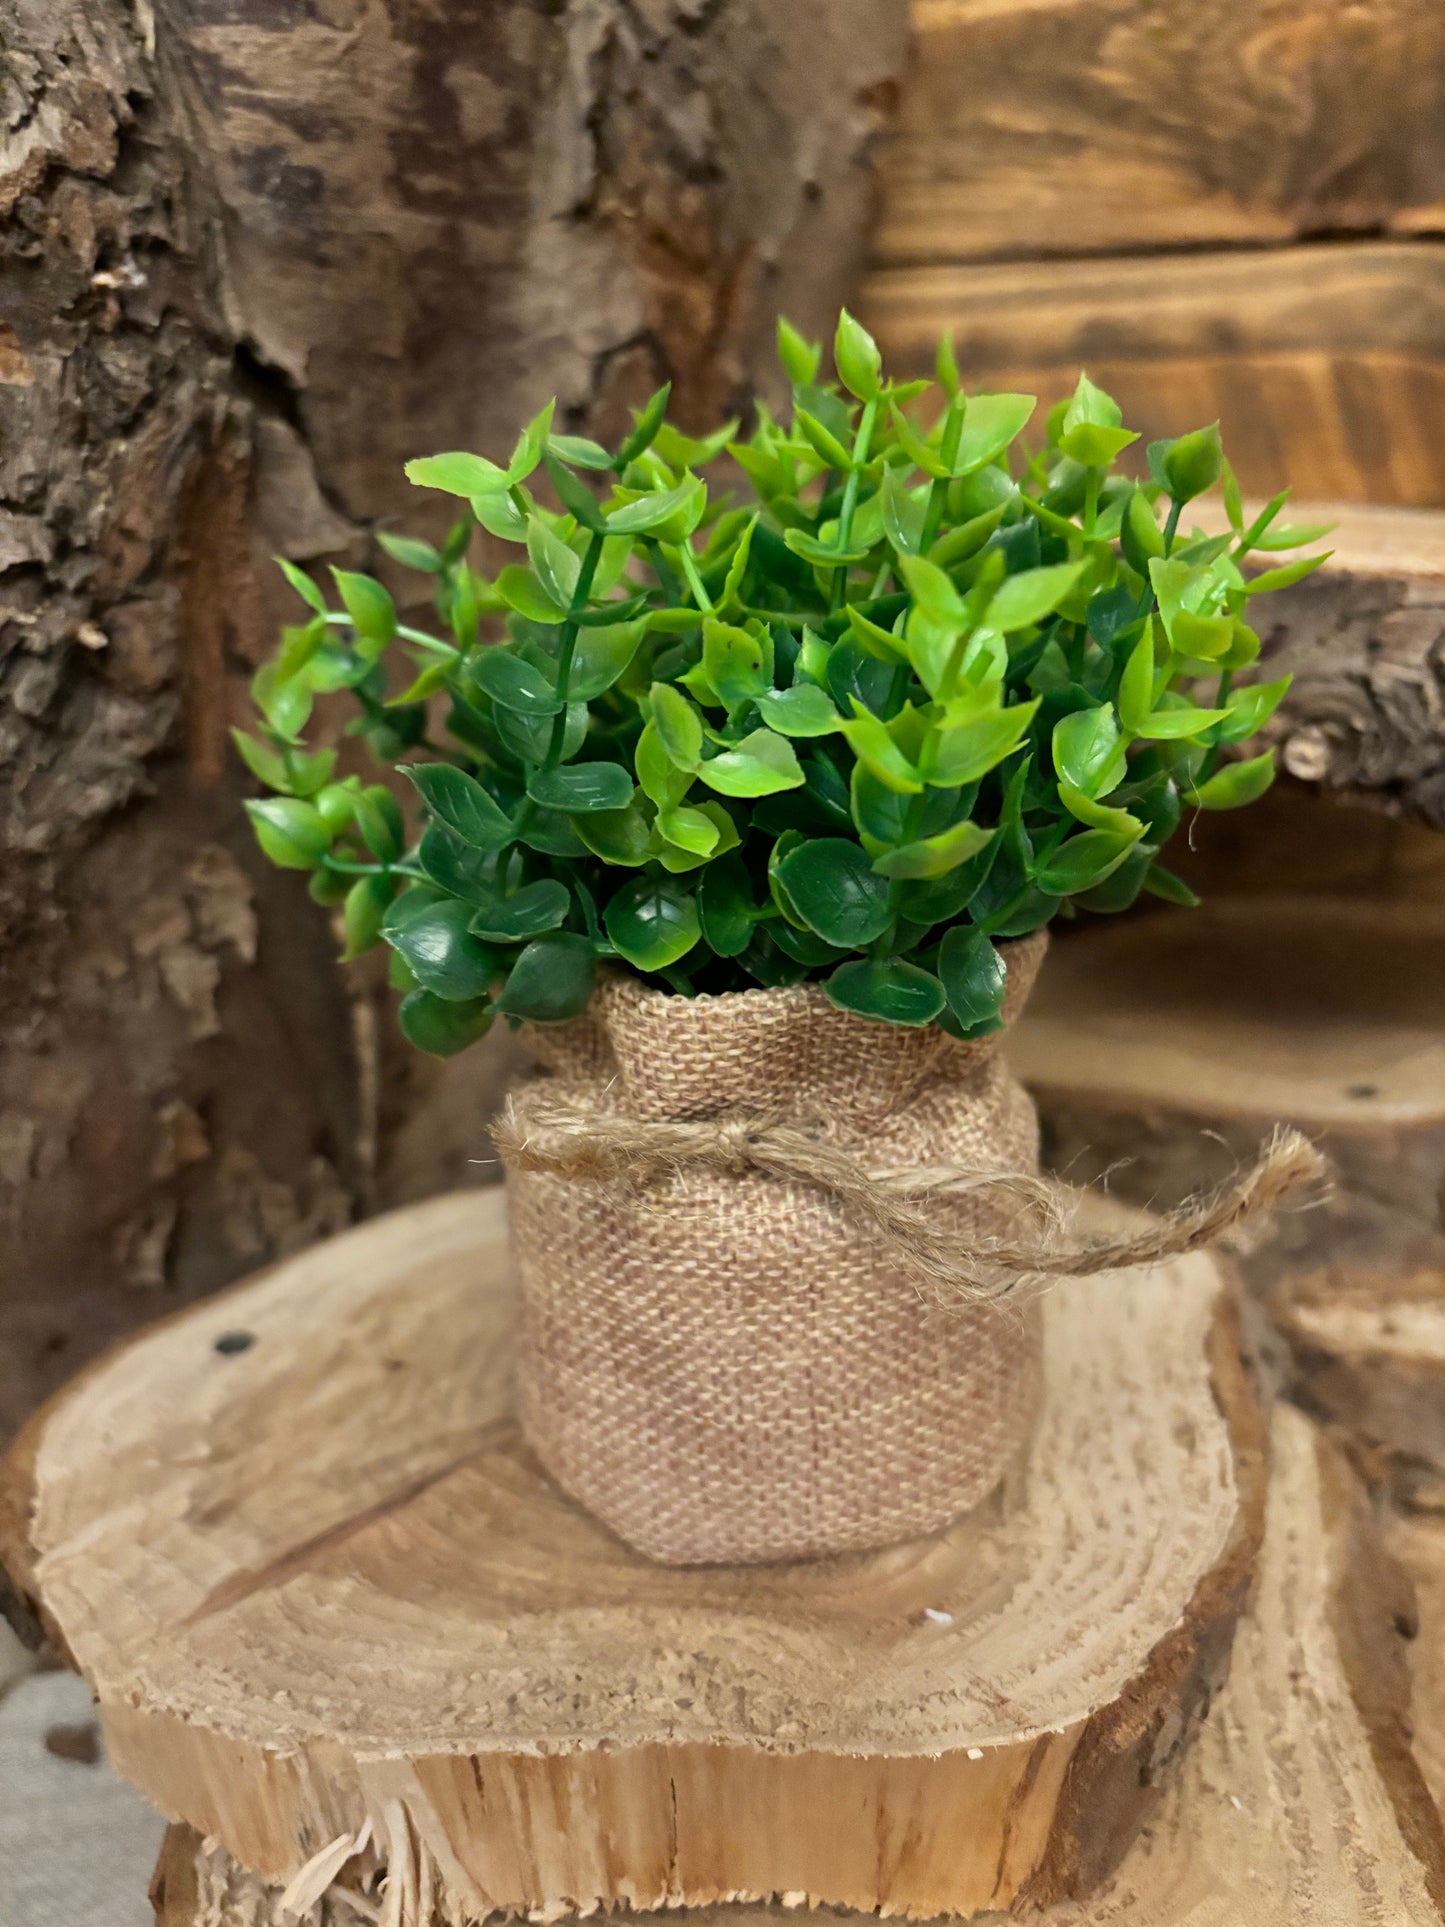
<point>922,452</point>
<point>990,423</point>
<point>760,765</point>
<point>1086,859</point>
<point>1022,600</point>
<point>825,445</point>
<point>1191,463</point>
<point>579,451</point>
<point>522,591</point>
<point>1099,816</point>
<point>267,764</point>
<point>551,981</point>
<point>1136,685</point>
<point>459,801</point>
<point>836,891</point>
<point>1087,752</point>
<point>822,555</point>
<point>362,915</point>
<point>439,1027</point>
<point>1163,883</point>
<point>410,553</point>
<point>575,496</point>
<point>934,856</point>
<point>528,912</point>
<point>302,584</point>
<point>378,817</point>
<point>290,832</point>
<point>1235,785</point>
<point>876,750</point>
<point>623,837</point>
<point>557,566</point>
<point>500,516</point>
<point>457,867</point>
<point>658,775</point>
<point>945,366</point>
<point>678,729</point>
<point>1201,638</point>
<point>1091,433</point>
<point>973,976</point>
<point>1177,720</point>
<point>933,592</point>
<point>441,952</point>
<point>725,907</point>
<point>1234,507</point>
<point>798,356</point>
<point>739,665</point>
<point>579,788</point>
<point>650,511</point>
<point>971,750</point>
<point>890,990</point>
<point>689,829</point>
<point>903,514</point>
<point>653,922</point>
<point>803,710</point>
<point>1250,709</point>
<point>674,858</point>
<point>457,474</point>
<point>647,421</point>
<point>856,357</point>
<point>513,682</point>
<point>1281,578</point>
<point>601,656</point>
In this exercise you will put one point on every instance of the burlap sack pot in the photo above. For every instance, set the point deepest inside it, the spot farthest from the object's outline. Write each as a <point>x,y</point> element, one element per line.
<point>728,1367</point>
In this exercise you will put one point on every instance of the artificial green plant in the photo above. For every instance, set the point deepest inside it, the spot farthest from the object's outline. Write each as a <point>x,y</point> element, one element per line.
<point>890,693</point>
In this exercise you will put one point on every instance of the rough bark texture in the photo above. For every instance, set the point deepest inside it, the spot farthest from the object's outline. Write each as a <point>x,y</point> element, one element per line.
<point>254,256</point>
<point>1364,638</point>
<point>342,1621</point>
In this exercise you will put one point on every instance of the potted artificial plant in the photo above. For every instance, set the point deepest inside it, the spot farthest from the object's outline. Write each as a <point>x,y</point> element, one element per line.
<point>754,800</point>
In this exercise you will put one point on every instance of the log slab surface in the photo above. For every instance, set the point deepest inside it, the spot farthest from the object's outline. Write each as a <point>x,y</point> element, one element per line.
<point>322,1593</point>
<point>1299,1806</point>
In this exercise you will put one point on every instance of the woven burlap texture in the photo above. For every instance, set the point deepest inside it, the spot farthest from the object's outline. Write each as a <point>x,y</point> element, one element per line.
<point>728,1368</point>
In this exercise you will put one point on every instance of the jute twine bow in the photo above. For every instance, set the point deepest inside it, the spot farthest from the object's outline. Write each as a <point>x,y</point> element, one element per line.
<point>539,1133</point>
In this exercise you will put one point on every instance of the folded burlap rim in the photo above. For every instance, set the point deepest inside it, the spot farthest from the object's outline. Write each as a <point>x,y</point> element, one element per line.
<point>538,1132</point>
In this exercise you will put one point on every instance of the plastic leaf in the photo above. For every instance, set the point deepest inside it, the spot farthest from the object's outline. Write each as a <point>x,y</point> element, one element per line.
<point>836,891</point>
<point>973,976</point>
<point>761,764</point>
<point>457,474</point>
<point>888,989</point>
<point>653,923</point>
<point>577,788</point>
<point>551,981</point>
<point>459,801</point>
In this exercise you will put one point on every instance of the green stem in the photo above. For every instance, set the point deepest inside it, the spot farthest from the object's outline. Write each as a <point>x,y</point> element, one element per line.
<point>344,868</point>
<point>568,648</point>
<point>1091,503</point>
<point>1226,683</point>
<point>1171,526</point>
<point>668,582</point>
<point>694,581</point>
<point>850,495</point>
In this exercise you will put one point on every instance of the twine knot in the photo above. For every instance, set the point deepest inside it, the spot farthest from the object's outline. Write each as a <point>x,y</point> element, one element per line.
<point>541,1132</point>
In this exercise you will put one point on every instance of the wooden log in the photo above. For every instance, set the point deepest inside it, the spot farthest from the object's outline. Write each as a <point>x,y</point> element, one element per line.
<point>1161,1049</point>
<point>1323,363</point>
<point>323,1595</point>
<point>1364,639</point>
<point>1086,126</point>
<point>1299,1805</point>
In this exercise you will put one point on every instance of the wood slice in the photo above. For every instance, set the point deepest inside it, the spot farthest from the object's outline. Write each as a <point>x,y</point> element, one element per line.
<point>1161,1049</point>
<point>1299,1805</point>
<point>323,1595</point>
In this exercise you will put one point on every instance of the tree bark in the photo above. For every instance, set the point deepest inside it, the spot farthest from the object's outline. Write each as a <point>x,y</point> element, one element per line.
<point>258,254</point>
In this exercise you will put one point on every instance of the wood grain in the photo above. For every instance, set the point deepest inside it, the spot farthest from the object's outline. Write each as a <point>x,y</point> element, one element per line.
<point>1324,364</point>
<point>1086,126</point>
<point>1162,1049</point>
<point>1299,1806</point>
<point>318,1586</point>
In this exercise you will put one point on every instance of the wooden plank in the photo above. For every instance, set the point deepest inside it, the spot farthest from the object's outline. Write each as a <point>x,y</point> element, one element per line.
<point>1325,364</point>
<point>1076,126</point>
